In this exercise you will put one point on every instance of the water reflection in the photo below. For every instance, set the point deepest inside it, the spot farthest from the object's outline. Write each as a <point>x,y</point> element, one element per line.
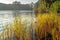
<point>8,16</point>
<point>16,13</point>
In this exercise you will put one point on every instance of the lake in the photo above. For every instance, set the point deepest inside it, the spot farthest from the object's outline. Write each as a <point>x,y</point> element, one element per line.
<point>8,16</point>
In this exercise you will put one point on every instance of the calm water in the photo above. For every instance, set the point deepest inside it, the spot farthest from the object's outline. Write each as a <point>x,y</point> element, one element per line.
<point>8,16</point>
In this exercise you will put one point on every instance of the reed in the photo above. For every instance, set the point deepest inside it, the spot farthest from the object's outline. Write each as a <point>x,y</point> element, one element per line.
<point>47,25</point>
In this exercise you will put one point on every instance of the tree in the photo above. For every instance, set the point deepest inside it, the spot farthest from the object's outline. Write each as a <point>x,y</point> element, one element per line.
<point>16,2</point>
<point>55,7</point>
<point>49,2</point>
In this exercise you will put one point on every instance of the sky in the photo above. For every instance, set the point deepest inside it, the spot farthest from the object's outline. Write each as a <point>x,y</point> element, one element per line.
<point>22,1</point>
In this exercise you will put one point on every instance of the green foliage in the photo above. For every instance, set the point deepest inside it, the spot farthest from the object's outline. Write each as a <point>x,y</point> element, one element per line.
<point>55,6</point>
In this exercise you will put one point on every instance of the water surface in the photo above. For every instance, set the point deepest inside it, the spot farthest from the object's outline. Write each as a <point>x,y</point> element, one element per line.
<point>8,16</point>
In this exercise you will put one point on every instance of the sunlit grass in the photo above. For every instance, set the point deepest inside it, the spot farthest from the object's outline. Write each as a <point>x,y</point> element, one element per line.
<point>45,24</point>
<point>48,23</point>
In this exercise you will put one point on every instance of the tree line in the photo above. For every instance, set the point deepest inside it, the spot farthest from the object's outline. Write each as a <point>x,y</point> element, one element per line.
<point>15,6</point>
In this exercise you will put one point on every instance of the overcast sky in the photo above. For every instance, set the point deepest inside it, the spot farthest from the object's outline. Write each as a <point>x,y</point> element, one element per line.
<point>22,1</point>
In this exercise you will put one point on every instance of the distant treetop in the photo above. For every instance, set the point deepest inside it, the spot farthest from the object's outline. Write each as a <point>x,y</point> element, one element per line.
<point>16,2</point>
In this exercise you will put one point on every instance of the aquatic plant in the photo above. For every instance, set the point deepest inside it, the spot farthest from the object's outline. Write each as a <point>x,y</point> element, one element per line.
<point>47,24</point>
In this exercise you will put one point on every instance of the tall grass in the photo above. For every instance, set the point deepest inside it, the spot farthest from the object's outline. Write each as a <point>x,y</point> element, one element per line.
<point>21,30</point>
<point>47,27</point>
<point>48,24</point>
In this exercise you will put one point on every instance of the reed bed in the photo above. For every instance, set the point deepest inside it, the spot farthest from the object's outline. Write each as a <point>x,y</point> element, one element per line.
<point>46,27</point>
